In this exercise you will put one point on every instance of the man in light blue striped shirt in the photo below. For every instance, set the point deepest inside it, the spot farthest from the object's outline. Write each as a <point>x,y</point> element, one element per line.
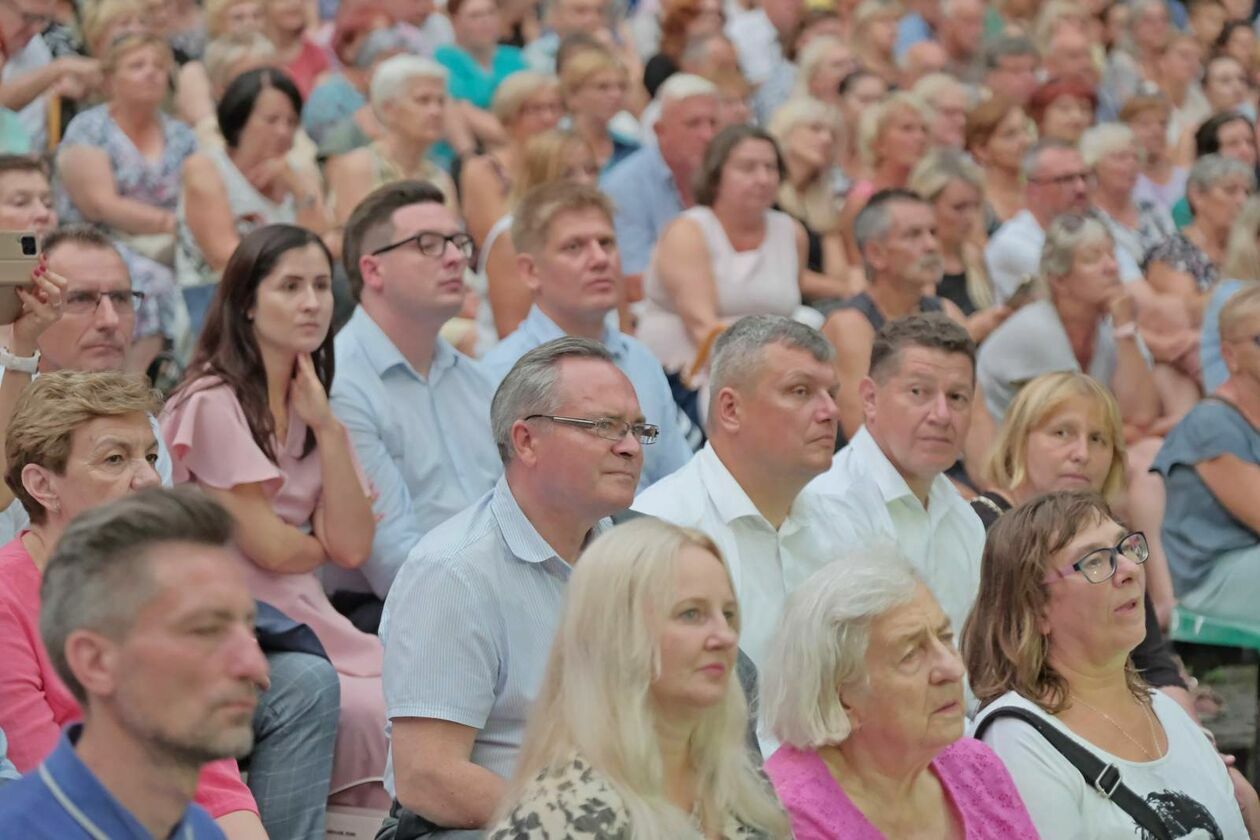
<point>567,255</point>
<point>469,621</point>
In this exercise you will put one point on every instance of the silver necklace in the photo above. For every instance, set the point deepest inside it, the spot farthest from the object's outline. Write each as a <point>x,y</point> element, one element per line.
<point>1149,722</point>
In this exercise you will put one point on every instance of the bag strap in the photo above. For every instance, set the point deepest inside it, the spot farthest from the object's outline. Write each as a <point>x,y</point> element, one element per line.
<point>1104,778</point>
<point>692,372</point>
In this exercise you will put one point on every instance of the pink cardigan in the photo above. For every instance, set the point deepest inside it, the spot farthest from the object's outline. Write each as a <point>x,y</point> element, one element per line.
<point>975,779</point>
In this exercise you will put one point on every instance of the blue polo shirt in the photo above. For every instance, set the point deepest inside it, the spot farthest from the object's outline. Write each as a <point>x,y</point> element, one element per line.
<point>62,800</point>
<point>646,199</point>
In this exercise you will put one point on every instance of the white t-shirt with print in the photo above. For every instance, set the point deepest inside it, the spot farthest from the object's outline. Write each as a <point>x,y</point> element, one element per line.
<point>1188,787</point>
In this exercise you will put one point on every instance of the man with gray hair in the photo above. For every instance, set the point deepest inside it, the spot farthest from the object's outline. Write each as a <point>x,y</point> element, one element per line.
<point>148,621</point>
<point>469,621</point>
<point>1010,65</point>
<point>772,430</point>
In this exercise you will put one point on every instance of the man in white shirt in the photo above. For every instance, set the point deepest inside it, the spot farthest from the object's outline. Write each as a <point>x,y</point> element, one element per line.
<point>763,36</point>
<point>772,429</point>
<point>889,480</point>
<point>1056,181</point>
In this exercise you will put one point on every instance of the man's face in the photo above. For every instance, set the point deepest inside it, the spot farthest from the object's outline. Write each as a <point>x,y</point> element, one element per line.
<point>919,415</point>
<point>572,16</point>
<point>1059,185</point>
<point>110,457</point>
<point>22,20</point>
<point>410,281</point>
<point>909,254</point>
<point>414,12</point>
<point>685,128</point>
<point>188,672</point>
<point>89,338</point>
<point>1015,77</point>
<point>26,202</point>
<point>577,275</point>
<point>962,32</point>
<point>1069,55</point>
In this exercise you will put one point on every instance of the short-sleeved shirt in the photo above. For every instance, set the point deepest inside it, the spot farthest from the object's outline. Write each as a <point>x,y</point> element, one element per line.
<point>332,101</point>
<point>1215,371</point>
<point>468,626</point>
<point>469,79</point>
<point>1178,252</point>
<point>645,199</point>
<point>1197,528</point>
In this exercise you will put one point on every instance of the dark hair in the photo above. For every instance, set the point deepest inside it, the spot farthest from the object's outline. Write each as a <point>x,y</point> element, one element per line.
<point>573,43</point>
<point>931,330</point>
<point>86,236</point>
<point>1230,27</point>
<point>708,177</point>
<point>22,163</point>
<point>852,78</point>
<point>98,576</point>
<point>366,228</point>
<point>242,95</point>
<point>228,349</point>
<point>1207,139</point>
<point>1007,46</point>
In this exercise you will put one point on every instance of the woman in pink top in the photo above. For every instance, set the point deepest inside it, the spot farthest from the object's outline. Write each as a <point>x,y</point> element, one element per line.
<point>865,692</point>
<point>251,425</point>
<point>77,440</point>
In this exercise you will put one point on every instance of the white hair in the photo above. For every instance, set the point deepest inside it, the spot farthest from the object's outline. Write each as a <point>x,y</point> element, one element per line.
<point>873,120</point>
<point>820,645</point>
<point>809,59</point>
<point>682,86</point>
<point>1101,140</point>
<point>393,76</point>
<point>933,85</point>
<point>798,110</point>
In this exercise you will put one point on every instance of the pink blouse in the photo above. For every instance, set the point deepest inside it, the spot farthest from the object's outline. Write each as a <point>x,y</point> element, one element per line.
<point>973,777</point>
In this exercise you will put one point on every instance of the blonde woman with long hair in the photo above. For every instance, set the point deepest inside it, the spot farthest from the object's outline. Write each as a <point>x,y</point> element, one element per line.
<point>639,729</point>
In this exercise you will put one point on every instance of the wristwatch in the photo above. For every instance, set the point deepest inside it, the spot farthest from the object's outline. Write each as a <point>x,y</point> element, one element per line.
<point>1128,330</point>
<point>21,364</point>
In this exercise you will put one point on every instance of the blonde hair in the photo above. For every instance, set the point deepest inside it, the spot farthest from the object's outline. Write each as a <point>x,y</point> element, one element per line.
<point>595,698</point>
<point>1101,140</point>
<point>216,13</point>
<point>1036,402</point>
<point>544,160</point>
<point>100,15</point>
<point>809,59</point>
<point>815,204</point>
<point>874,120</point>
<point>130,43</point>
<point>52,408</point>
<point>512,94</point>
<point>582,65</point>
<point>929,178</point>
<point>226,52</point>
<point>1242,256</point>
<point>1243,305</point>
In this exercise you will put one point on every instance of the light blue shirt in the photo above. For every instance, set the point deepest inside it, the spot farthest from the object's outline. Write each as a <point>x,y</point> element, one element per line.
<point>670,452</point>
<point>8,772</point>
<point>911,29</point>
<point>540,54</point>
<point>646,199</point>
<point>1215,371</point>
<point>423,441</point>
<point>477,606</point>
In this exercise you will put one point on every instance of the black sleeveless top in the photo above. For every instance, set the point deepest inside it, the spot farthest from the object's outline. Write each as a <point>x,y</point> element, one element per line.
<point>865,304</point>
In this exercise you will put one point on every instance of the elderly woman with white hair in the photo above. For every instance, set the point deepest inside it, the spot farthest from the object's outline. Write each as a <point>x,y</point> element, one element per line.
<point>408,94</point>
<point>865,693</point>
<point>821,66</point>
<point>1112,153</point>
<point>639,729</point>
<point>946,102</point>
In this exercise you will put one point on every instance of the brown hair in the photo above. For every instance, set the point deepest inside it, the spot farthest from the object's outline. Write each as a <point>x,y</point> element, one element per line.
<point>128,44</point>
<point>679,15</point>
<point>366,228</point>
<point>983,120</point>
<point>932,330</point>
<point>1002,643</point>
<point>532,218</point>
<point>1049,91</point>
<point>544,160</point>
<point>708,178</point>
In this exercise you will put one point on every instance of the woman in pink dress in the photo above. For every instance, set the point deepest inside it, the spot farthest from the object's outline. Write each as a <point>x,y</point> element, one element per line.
<point>251,425</point>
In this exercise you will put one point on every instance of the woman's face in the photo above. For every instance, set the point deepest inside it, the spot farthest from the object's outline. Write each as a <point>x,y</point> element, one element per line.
<point>418,111</point>
<point>1150,28</point>
<point>293,305</point>
<point>580,166</point>
<point>958,214</point>
<point>142,76</point>
<point>1095,275</point>
<point>866,92</point>
<point>1221,203</point>
<point>812,143</point>
<point>601,96</point>
<point>243,18</point>
<point>881,34</point>
<point>26,202</point>
<point>1150,129</point>
<point>697,638</point>
<point>912,702</point>
<point>541,111</point>
<point>1070,449</point>
<point>903,139</point>
<point>1237,140</point>
<point>834,66</point>
<point>1225,84</point>
<point>1242,45</point>
<point>288,16</point>
<point>1242,353</point>
<point>1066,118</point>
<point>949,127</point>
<point>110,457</point>
<point>1117,172</point>
<point>477,24</point>
<point>129,23</point>
<point>750,176</point>
<point>1008,143</point>
<point>1088,622</point>
<point>269,131</point>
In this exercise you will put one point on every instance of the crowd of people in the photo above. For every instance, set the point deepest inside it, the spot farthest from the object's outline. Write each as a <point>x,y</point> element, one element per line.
<point>646,419</point>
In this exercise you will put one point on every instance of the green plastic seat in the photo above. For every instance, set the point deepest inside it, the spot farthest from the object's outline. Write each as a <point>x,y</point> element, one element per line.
<point>1196,628</point>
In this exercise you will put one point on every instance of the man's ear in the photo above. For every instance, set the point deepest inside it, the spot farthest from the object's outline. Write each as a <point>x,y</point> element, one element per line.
<point>93,659</point>
<point>527,270</point>
<point>370,271</point>
<point>524,443</point>
<point>726,410</point>
<point>866,392</point>
<point>38,482</point>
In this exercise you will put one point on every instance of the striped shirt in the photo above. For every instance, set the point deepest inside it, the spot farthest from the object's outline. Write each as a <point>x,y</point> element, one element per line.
<point>476,604</point>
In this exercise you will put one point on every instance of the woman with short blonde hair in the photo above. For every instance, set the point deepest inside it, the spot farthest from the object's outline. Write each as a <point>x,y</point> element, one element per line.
<point>1240,270</point>
<point>595,85</point>
<point>626,737</point>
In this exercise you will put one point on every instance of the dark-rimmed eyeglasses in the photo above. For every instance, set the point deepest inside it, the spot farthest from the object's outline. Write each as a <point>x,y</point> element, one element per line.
<point>1100,564</point>
<point>609,428</point>
<point>85,301</point>
<point>433,244</point>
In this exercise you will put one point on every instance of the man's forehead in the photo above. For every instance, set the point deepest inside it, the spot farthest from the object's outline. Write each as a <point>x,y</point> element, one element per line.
<point>428,215</point>
<point>918,361</point>
<point>89,265</point>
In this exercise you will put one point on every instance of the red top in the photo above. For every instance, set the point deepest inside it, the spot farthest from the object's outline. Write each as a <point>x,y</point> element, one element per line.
<point>35,704</point>
<point>309,65</point>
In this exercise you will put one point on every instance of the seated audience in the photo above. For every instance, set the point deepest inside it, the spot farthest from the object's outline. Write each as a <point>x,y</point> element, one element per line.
<point>1241,267</point>
<point>683,22</point>
<point>772,429</point>
<point>408,98</point>
<point>1011,68</point>
<point>1062,109</point>
<point>568,260</point>
<point>476,64</point>
<point>299,58</point>
<point>480,597</point>
<point>1230,135</point>
<point>821,65</point>
<point>76,441</point>
<point>406,257</point>
<point>945,101</point>
<point>864,688</point>
<point>1058,614</point>
<point>1086,323</point>
<point>229,192</point>
<point>1226,86</point>
<point>903,265</point>
<point>874,37</point>
<point>594,84</point>
<point>860,91</point>
<point>916,400</point>
<point>1160,181</point>
<point>639,724</point>
<point>251,425</point>
<point>731,255</point>
<point>1138,226</point>
<point>225,58</point>
<point>1209,463</point>
<point>128,595</point>
<point>998,135</point>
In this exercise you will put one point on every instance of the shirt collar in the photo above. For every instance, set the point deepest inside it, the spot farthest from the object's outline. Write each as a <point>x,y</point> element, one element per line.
<point>542,329</point>
<point>382,354</point>
<point>729,497</point>
<point>522,538</point>
<point>892,486</point>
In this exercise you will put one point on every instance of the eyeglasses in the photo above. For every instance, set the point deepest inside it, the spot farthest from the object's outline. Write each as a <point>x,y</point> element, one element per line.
<point>609,428</point>
<point>1100,564</point>
<point>86,302</point>
<point>1066,178</point>
<point>433,244</point>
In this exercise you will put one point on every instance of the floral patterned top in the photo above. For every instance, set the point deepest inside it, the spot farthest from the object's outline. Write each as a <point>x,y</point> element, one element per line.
<point>1183,255</point>
<point>576,802</point>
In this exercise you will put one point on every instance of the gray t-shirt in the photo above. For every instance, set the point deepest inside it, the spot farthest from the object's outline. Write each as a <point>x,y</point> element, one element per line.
<point>1197,528</point>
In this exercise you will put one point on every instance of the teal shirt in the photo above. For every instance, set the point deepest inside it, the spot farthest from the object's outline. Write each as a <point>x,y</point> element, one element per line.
<point>1182,214</point>
<point>470,81</point>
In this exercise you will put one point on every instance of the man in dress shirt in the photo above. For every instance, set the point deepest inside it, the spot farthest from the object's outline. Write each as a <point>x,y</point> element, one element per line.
<point>469,622</point>
<point>772,430</point>
<point>916,401</point>
<point>567,256</point>
<point>150,624</point>
<point>417,410</point>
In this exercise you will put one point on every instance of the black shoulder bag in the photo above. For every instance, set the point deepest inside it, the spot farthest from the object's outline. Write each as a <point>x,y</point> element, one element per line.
<point>1104,778</point>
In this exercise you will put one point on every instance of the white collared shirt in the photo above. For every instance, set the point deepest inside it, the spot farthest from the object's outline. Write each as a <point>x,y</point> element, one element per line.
<point>943,542</point>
